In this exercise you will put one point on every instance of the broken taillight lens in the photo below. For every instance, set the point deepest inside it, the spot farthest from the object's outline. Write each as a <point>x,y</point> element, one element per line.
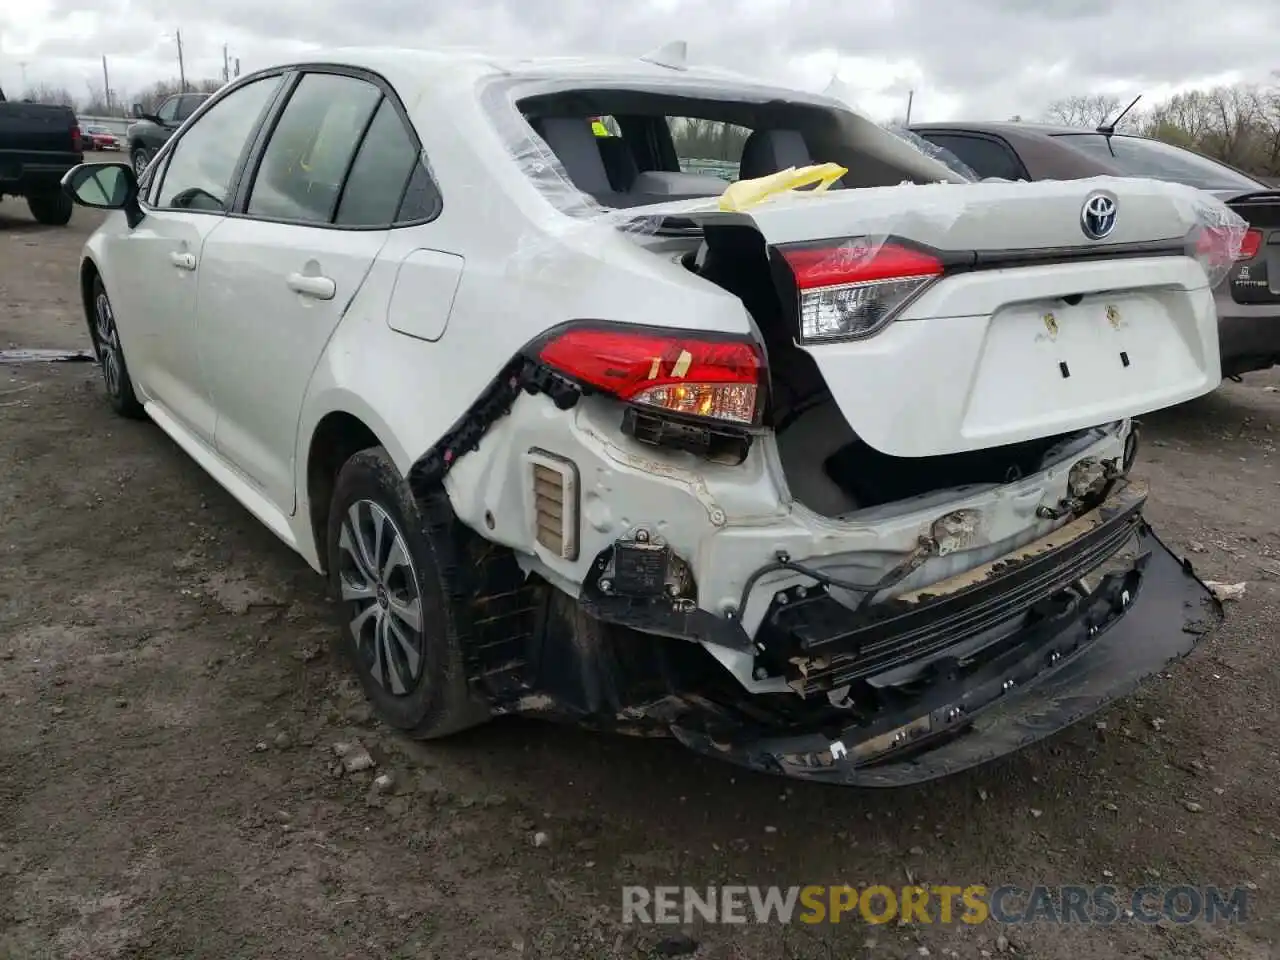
<point>715,378</point>
<point>852,289</point>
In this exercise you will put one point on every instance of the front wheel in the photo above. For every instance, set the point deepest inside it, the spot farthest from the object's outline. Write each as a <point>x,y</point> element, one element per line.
<point>391,563</point>
<point>51,209</point>
<point>141,156</point>
<point>106,342</point>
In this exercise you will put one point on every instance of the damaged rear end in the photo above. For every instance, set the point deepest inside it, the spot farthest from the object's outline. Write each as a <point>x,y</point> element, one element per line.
<point>886,529</point>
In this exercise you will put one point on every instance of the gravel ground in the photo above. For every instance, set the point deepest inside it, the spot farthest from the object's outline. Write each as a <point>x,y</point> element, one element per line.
<point>169,706</point>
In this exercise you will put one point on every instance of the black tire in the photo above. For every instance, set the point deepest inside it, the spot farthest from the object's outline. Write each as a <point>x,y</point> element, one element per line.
<point>139,157</point>
<point>434,702</point>
<point>110,353</point>
<point>51,209</point>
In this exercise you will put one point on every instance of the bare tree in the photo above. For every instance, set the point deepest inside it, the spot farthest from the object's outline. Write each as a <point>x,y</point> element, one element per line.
<point>160,91</point>
<point>95,104</point>
<point>48,93</point>
<point>1089,110</point>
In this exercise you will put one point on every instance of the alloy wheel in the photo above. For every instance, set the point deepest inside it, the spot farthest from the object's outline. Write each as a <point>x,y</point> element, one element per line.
<point>377,578</point>
<point>139,163</point>
<point>108,344</point>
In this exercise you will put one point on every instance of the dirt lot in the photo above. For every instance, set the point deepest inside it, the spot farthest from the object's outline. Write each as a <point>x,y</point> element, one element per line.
<point>169,708</point>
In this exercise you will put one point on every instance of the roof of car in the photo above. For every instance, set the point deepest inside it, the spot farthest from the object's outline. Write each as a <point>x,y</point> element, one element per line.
<point>1008,126</point>
<point>410,64</point>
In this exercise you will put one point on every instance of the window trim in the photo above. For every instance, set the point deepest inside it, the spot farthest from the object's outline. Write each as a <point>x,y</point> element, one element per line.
<point>249,172</point>
<point>165,153</point>
<point>927,133</point>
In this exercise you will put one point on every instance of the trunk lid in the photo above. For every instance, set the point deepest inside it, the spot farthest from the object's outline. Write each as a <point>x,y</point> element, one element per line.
<point>1029,326</point>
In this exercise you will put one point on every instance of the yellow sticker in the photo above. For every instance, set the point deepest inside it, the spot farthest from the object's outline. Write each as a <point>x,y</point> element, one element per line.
<point>1051,324</point>
<point>682,364</point>
<point>655,368</point>
<point>1113,317</point>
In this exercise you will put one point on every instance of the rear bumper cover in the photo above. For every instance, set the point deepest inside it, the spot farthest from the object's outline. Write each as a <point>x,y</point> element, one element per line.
<point>1249,339</point>
<point>1136,622</point>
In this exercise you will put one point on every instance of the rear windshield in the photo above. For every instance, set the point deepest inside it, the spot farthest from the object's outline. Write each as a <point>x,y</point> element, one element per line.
<point>1139,157</point>
<point>627,147</point>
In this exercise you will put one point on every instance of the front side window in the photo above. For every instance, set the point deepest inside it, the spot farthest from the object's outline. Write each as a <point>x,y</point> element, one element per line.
<point>203,161</point>
<point>302,169</point>
<point>168,111</point>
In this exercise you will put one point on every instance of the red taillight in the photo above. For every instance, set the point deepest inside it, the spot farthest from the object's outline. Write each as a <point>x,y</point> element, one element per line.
<point>851,289</point>
<point>77,143</point>
<point>1250,245</point>
<point>719,379</point>
<point>1214,245</point>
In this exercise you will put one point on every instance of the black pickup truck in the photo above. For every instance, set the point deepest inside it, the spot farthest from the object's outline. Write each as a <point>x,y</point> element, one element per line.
<point>38,144</point>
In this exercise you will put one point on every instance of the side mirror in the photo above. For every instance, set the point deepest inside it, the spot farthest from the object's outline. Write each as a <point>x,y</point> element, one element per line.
<point>137,110</point>
<point>104,186</point>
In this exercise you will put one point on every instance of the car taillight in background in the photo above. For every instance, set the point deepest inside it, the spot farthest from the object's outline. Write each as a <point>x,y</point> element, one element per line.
<point>718,379</point>
<point>1250,245</point>
<point>852,288</point>
<point>77,142</point>
<point>1215,246</point>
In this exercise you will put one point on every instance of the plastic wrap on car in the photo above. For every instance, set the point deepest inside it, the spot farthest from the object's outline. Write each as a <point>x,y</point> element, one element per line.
<point>1216,231</point>
<point>539,163</point>
<point>933,151</point>
<point>1220,232</point>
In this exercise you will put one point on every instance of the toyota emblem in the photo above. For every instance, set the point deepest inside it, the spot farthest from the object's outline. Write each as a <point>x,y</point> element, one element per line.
<point>1098,216</point>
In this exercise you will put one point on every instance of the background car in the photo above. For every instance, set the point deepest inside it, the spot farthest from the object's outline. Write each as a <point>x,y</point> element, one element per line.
<point>1248,299</point>
<point>39,143</point>
<point>153,130</point>
<point>100,138</point>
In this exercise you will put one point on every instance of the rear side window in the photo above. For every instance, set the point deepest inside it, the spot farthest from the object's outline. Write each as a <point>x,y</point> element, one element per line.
<point>381,171</point>
<point>203,162</point>
<point>310,150</point>
<point>984,156</point>
<point>708,146</point>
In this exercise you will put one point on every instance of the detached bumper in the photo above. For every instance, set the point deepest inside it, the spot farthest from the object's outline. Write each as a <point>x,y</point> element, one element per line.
<point>1140,617</point>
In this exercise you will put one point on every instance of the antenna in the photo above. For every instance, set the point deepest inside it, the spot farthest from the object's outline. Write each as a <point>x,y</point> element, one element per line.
<point>673,55</point>
<point>1107,129</point>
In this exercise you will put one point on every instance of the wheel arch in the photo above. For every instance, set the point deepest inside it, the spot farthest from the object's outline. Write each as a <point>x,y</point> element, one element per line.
<point>88,273</point>
<point>336,437</point>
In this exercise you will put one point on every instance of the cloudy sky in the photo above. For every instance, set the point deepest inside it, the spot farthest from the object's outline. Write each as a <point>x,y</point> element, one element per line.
<point>963,58</point>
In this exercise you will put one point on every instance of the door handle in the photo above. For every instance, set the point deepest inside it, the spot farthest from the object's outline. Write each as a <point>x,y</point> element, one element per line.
<point>319,288</point>
<point>183,261</point>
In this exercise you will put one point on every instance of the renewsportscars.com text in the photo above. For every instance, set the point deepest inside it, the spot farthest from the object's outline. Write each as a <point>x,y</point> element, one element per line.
<point>941,904</point>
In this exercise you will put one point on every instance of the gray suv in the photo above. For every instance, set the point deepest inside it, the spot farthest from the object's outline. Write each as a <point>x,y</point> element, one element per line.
<point>151,130</point>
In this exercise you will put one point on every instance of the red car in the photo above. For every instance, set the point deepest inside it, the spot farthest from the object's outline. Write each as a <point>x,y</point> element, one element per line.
<point>100,138</point>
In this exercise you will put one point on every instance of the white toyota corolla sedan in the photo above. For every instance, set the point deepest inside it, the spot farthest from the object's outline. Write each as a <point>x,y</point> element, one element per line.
<point>825,472</point>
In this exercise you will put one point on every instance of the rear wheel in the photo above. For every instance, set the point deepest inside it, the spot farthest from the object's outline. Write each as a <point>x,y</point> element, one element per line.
<point>140,157</point>
<point>51,209</point>
<point>106,341</point>
<point>393,566</point>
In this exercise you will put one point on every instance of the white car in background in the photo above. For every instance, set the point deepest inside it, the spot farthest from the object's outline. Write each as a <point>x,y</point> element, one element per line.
<point>832,484</point>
